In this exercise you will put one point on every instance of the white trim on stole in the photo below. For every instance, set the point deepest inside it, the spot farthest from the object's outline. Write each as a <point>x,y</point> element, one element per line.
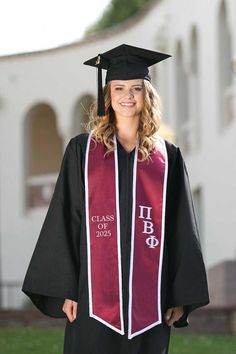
<point>91,313</point>
<point>131,335</point>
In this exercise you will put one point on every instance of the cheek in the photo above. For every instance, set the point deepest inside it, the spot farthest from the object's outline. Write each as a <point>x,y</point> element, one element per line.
<point>141,101</point>
<point>112,102</point>
<point>114,99</point>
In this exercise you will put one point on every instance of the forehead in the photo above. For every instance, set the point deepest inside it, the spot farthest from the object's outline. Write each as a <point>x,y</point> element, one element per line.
<point>126,82</point>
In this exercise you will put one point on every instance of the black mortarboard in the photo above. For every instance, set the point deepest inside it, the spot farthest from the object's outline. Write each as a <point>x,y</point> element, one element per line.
<point>124,62</point>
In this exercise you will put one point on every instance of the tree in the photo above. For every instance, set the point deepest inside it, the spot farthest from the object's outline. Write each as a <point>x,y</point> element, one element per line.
<point>116,12</point>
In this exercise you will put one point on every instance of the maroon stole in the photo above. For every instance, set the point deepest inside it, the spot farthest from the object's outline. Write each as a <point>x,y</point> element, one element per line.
<point>103,238</point>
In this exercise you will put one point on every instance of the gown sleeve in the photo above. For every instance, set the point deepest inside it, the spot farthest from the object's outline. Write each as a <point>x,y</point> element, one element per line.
<point>52,275</point>
<point>187,281</point>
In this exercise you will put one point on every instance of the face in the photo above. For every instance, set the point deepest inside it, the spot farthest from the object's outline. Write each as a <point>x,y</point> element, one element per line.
<point>127,97</point>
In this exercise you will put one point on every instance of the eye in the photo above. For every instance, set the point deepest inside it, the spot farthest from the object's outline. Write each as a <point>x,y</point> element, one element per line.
<point>118,88</point>
<point>138,88</point>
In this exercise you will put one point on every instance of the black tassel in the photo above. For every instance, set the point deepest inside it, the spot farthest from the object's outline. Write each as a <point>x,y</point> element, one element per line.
<point>101,102</point>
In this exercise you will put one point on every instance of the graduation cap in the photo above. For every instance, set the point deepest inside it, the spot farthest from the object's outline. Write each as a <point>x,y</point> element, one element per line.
<point>124,62</point>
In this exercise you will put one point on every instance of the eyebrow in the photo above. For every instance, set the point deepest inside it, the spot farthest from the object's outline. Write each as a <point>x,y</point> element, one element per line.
<point>125,85</point>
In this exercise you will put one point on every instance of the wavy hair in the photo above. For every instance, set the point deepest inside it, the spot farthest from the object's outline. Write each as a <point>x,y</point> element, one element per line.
<point>104,127</point>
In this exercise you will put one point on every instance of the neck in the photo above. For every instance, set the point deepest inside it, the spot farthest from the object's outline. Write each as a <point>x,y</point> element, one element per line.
<point>127,130</point>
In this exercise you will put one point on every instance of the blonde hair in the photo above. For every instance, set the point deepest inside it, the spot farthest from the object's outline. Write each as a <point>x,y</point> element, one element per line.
<point>104,127</point>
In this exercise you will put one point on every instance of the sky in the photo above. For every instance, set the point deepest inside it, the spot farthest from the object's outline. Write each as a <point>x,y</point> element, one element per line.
<point>29,25</point>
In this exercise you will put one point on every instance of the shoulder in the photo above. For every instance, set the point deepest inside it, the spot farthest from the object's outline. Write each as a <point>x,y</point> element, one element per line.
<point>171,147</point>
<point>78,143</point>
<point>173,151</point>
<point>80,139</point>
<point>176,163</point>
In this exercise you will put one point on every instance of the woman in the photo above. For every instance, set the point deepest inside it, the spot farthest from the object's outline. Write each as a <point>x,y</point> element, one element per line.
<point>118,253</point>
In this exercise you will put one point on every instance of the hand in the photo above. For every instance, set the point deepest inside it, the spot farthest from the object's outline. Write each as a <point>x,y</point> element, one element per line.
<point>173,314</point>
<point>70,309</point>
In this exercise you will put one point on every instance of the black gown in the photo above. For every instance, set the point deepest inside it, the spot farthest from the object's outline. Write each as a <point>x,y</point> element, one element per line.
<point>58,268</point>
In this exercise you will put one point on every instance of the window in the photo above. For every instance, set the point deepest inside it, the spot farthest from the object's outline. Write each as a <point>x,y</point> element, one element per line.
<point>225,84</point>
<point>182,103</point>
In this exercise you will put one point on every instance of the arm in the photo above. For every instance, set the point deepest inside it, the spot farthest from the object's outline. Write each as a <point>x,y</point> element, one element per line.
<point>187,282</point>
<point>53,272</point>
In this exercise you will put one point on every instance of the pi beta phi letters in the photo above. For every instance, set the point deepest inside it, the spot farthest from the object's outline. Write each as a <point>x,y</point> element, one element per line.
<point>102,224</point>
<point>148,226</point>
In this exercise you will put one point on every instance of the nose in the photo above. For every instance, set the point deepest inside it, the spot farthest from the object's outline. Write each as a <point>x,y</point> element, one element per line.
<point>130,92</point>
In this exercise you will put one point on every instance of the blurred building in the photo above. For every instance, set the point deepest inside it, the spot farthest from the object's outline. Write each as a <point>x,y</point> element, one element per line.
<point>44,98</point>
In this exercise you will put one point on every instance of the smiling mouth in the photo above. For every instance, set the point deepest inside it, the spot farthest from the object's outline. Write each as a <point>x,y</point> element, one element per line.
<point>128,104</point>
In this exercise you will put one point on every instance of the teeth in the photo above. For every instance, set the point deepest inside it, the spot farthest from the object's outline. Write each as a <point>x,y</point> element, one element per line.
<point>127,104</point>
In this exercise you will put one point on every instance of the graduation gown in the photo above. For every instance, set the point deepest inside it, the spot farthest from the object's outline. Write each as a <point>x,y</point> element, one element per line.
<point>58,267</point>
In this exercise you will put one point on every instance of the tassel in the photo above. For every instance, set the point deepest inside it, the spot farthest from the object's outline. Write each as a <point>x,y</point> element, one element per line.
<point>101,102</point>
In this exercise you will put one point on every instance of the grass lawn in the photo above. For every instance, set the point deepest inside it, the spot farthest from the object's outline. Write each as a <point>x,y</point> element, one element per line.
<point>202,344</point>
<point>31,341</point>
<point>40,341</point>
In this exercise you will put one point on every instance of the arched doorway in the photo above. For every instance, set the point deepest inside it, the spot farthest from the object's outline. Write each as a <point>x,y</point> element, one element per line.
<point>43,154</point>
